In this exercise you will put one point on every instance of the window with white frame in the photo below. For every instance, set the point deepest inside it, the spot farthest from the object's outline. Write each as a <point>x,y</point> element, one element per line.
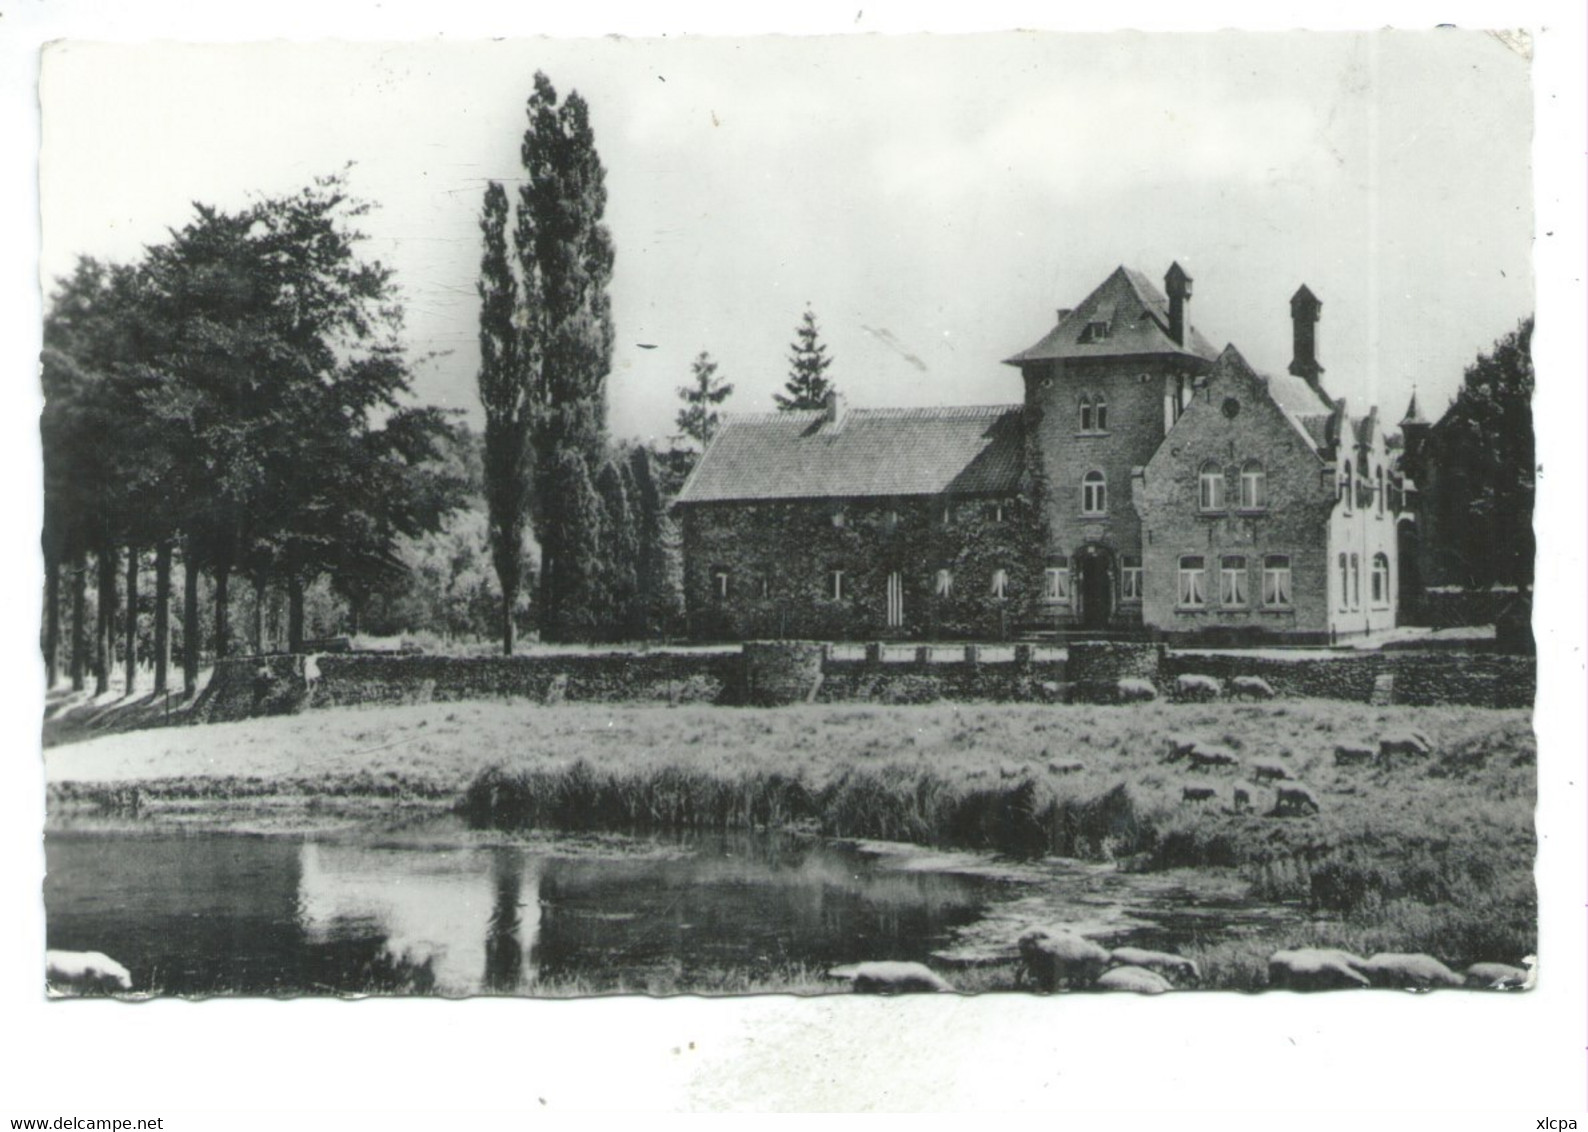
<point>1094,494</point>
<point>835,585</point>
<point>1000,583</point>
<point>1086,412</point>
<point>1130,577</point>
<point>1232,580</point>
<point>1347,487</point>
<point>763,585</point>
<point>1276,580</point>
<point>1056,581</point>
<point>1193,581</point>
<point>1210,487</point>
<point>1378,474</point>
<point>943,585</point>
<point>1254,486</point>
<point>1381,581</point>
<point>1100,413</point>
<point>721,584</point>
<point>1345,582</point>
<point>1356,582</point>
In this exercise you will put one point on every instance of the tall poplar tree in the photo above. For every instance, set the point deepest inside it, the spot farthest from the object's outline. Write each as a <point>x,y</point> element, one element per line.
<point>564,339</point>
<point>807,386</point>
<point>508,398</point>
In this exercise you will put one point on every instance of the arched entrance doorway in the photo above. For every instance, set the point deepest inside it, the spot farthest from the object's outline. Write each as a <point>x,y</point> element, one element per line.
<point>1094,586</point>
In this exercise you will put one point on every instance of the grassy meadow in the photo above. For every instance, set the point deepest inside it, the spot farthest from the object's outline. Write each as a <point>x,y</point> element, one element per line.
<point>1428,855</point>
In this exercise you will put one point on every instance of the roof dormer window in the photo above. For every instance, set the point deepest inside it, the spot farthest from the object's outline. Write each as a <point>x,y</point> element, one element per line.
<point>1095,331</point>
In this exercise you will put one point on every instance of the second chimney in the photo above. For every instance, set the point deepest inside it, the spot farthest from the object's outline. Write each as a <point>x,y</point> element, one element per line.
<point>1304,308</point>
<point>1178,286</point>
<point>833,413</point>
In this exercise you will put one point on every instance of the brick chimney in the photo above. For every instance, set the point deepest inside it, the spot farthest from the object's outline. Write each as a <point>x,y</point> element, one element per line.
<point>1177,285</point>
<point>1304,308</point>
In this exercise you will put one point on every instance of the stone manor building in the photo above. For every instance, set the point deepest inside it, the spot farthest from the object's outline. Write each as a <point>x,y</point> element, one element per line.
<point>1147,485</point>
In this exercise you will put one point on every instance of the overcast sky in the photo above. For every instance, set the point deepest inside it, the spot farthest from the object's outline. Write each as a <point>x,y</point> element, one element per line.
<point>933,198</point>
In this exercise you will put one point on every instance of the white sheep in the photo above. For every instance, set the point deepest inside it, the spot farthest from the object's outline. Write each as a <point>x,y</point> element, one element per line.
<point>1197,793</point>
<point>1133,689</point>
<point>1194,686</point>
<point>1400,969</point>
<point>889,976</point>
<point>1205,756</point>
<point>1262,770</point>
<point>1057,956</point>
<point>1137,980</point>
<point>1315,968</point>
<point>1295,799</point>
<point>1411,743</point>
<point>1497,976</point>
<point>1254,686</point>
<point>1351,754</point>
<point>69,972</point>
<point>1163,962</point>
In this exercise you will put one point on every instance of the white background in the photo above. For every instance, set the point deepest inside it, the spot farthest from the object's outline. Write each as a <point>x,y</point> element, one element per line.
<point>1313,1058</point>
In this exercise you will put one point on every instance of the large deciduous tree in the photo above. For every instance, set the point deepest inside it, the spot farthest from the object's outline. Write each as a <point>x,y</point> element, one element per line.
<point>807,386</point>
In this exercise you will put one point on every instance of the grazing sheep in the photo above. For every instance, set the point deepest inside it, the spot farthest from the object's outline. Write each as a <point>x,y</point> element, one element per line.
<point>891,977</point>
<point>1194,686</point>
<point>1056,957</point>
<point>1264,770</point>
<point>1133,689</point>
<point>1137,980</point>
<point>1295,799</point>
<point>73,972</point>
<point>1163,962</point>
<point>1197,793</point>
<point>1352,754</point>
<point>1179,746</point>
<point>1254,686</point>
<point>1315,968</point>
<point>1203,757</point>
<point>1242,797</point>
<point>1066,768</point>
<point>1411,743</point>
<point>1496,976</point>
<point>1394,969</point>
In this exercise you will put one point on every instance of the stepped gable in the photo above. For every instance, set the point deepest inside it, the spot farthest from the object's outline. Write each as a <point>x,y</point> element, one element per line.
<point>967,450</point>
<point>1135,315</point>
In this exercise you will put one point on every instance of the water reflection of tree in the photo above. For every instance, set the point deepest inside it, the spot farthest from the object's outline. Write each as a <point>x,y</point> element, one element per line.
<point>509,949</point>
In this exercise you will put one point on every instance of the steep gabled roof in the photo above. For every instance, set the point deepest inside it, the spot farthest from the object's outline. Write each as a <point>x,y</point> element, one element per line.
<point>876,452</point>
<point>1299,403</point>
<point>1136,315</point>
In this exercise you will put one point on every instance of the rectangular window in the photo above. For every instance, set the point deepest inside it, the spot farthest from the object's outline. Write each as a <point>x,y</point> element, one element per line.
<point>1232,581</point>
<point>1210,488</point>
<point>944,585</point>
<point>835,585</point>
<point>1056,582</point>
<point>721,585</point>
<point>1193,581</point>
<point>1356,582</point>
<point>1130,577</point>
<point>1345,583</point>
<point>1000,583</point>
<point>763,586</point>
<point>1276,580</point>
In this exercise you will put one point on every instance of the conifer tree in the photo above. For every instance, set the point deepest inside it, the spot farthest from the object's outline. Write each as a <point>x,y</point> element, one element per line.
<point>698,419</point>
<point>807,387</point>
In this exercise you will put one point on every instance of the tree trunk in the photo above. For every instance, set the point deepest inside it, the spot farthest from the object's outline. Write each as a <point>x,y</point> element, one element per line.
<point>190,623</point>
<point>294,613</point>
<point>509,630</point>
<point>52,618</point>
<point>162,614</point>
<point>261,580</point>
<point>132,619</point>
<point>105,620</point>
<point>79,630</point>
<point>223,575</point>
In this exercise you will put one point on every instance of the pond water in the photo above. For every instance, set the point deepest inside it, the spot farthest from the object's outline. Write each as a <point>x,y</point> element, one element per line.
<point>219,913</point>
